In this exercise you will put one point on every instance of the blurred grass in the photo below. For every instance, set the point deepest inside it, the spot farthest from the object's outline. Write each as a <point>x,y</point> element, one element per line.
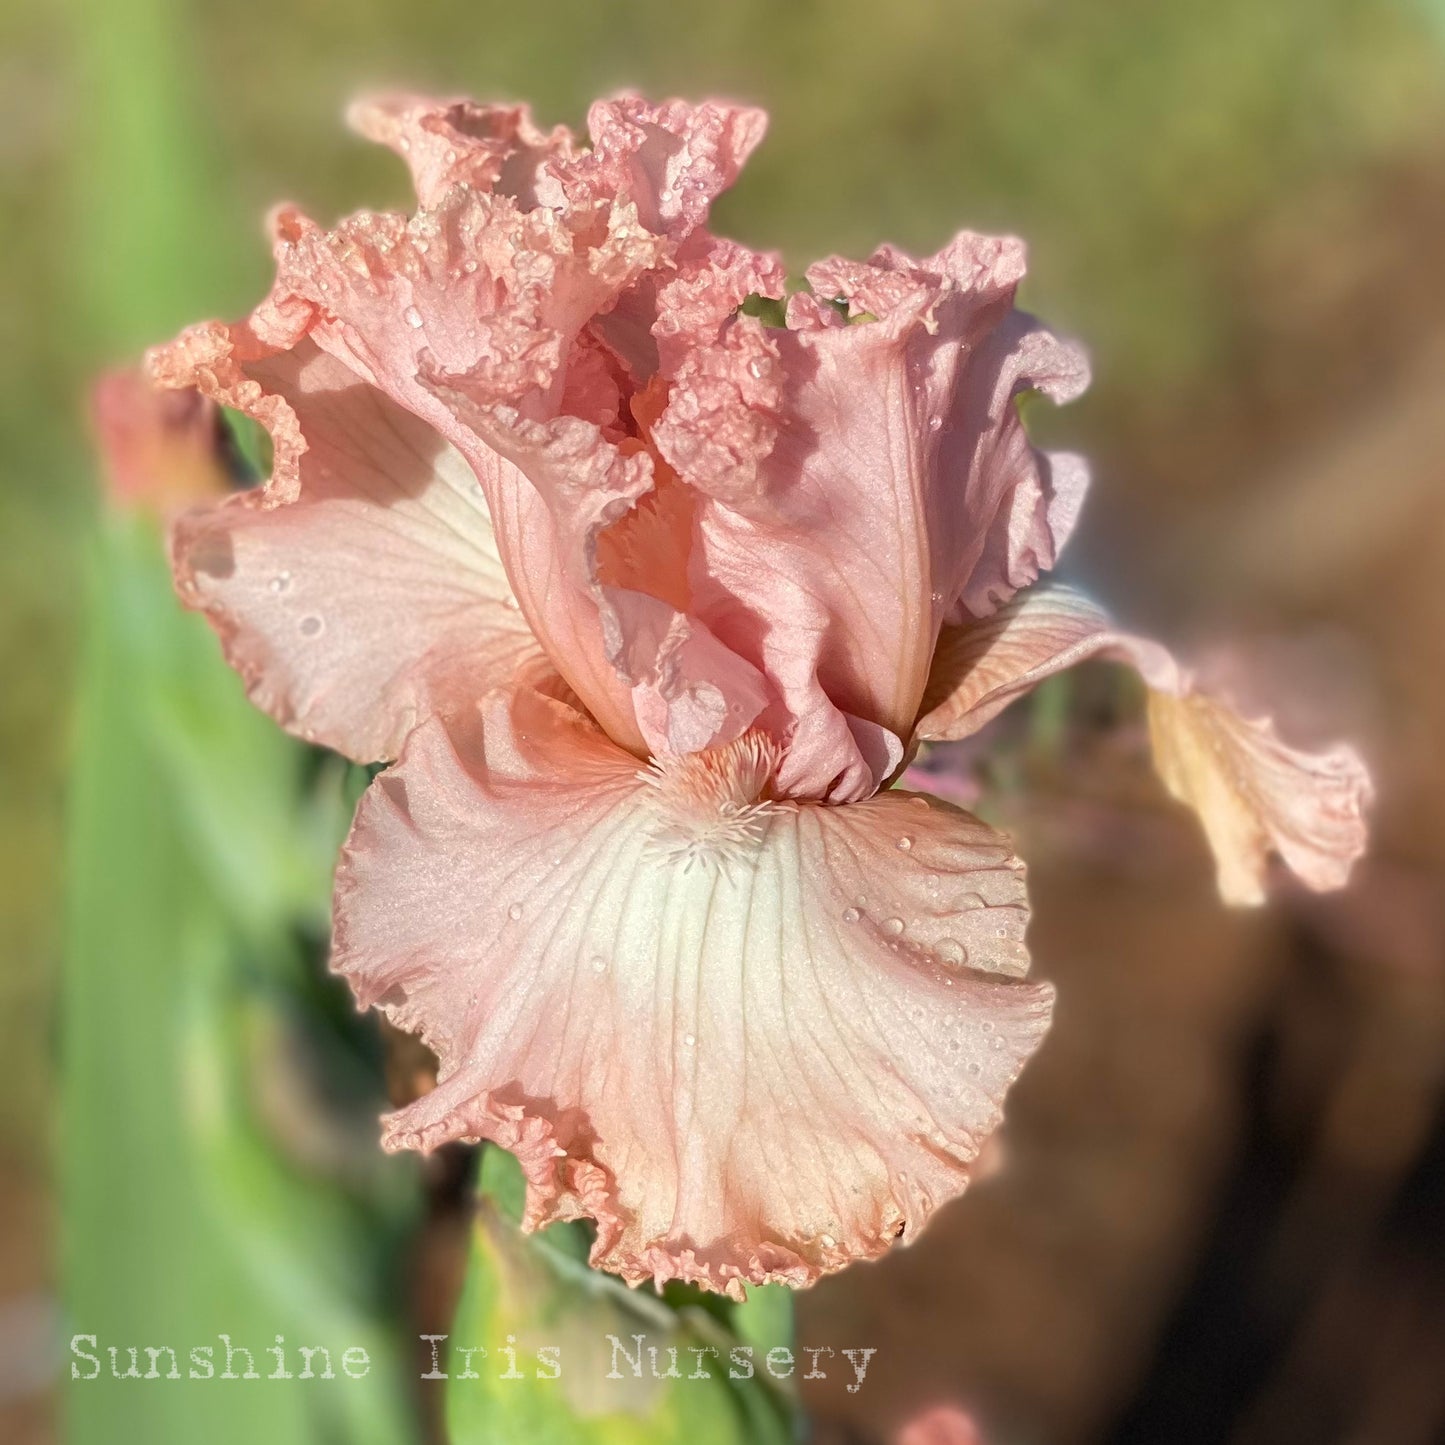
<point>220,1179</point>
<point>1136,144</point>
<point>218,1174</point>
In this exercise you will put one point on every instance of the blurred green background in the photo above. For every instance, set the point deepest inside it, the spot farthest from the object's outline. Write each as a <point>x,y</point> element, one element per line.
<point>1239,206</point>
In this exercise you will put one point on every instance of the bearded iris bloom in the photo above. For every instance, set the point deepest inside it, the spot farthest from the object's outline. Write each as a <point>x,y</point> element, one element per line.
<point>648,601</point>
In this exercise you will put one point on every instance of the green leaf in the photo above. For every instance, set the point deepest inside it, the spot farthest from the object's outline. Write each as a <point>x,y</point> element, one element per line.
<point>547,1351</point>
<point>218,1165</point>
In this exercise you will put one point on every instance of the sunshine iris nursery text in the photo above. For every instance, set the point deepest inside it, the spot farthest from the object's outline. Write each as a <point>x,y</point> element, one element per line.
<point>615,1358</point>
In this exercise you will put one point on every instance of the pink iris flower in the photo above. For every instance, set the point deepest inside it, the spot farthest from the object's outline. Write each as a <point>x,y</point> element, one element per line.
<point>648,601</point>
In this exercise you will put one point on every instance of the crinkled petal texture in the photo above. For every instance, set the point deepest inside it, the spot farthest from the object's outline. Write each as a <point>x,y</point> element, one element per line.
<point>361,589</point>
<point>891,488</point>
<point>1256,797</point>
<point>708,524</point>
<point>754,1039</point>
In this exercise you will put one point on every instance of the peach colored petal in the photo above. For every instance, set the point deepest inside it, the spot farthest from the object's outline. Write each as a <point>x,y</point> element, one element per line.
<point>724,382</point>
<point>753,1039</point>
<point>1255,797</point>
<point>472,315</point>
<point>160,449</point>
<point>361,589</point>
<point>864,483</point>
<point>673,158</point>
<point>448,143</point>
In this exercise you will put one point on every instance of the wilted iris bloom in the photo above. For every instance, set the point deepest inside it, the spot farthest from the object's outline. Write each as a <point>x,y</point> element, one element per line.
<point>650,585</point>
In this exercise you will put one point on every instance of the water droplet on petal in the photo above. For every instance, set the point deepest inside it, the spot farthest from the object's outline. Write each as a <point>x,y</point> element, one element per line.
<point>412,317</point>
<point>756,369</point>
<point>689,1039</point>
<point>851,915</point>
<point>827,1241</point>
<point>514,912</point>
<point>975,1068</point>
<point>893,926</point>
<point>599,964</point>
<point>311,627</point>
<point>905,843</point>
<point>950,950</point>
<point>281,581</point>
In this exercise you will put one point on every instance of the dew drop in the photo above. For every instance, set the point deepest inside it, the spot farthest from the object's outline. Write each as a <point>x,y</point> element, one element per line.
<point>893,926</point>
<point>514,912</point>
<point>281,581</point>
<point>827,1241</point>
<point>918,801</point>
<point>935,423</point>
<point>469,266</point>
<point>987,1026</point>
<point>599,964</point>
<point>905,843</point>
<point>950,950</point>
<point>311,627</point>
<point>851,915</point>
<point>756,369</point>
<point>412,317</point>
<point>405,143</point>
<point>975,1068</point>
<point>689,1039</point>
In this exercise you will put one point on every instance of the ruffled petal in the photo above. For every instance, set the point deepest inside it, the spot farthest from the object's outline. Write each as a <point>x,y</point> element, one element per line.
<point>753,1039</point>
<point>673,158</point>
<point>361,589</point>
<point>473,315</point>
<point>448,143</point>
<point>1256,797</point>
<point>864,482</point>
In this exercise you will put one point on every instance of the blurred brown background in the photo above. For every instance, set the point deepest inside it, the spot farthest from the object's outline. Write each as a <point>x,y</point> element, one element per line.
<point>1221,1215</point>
